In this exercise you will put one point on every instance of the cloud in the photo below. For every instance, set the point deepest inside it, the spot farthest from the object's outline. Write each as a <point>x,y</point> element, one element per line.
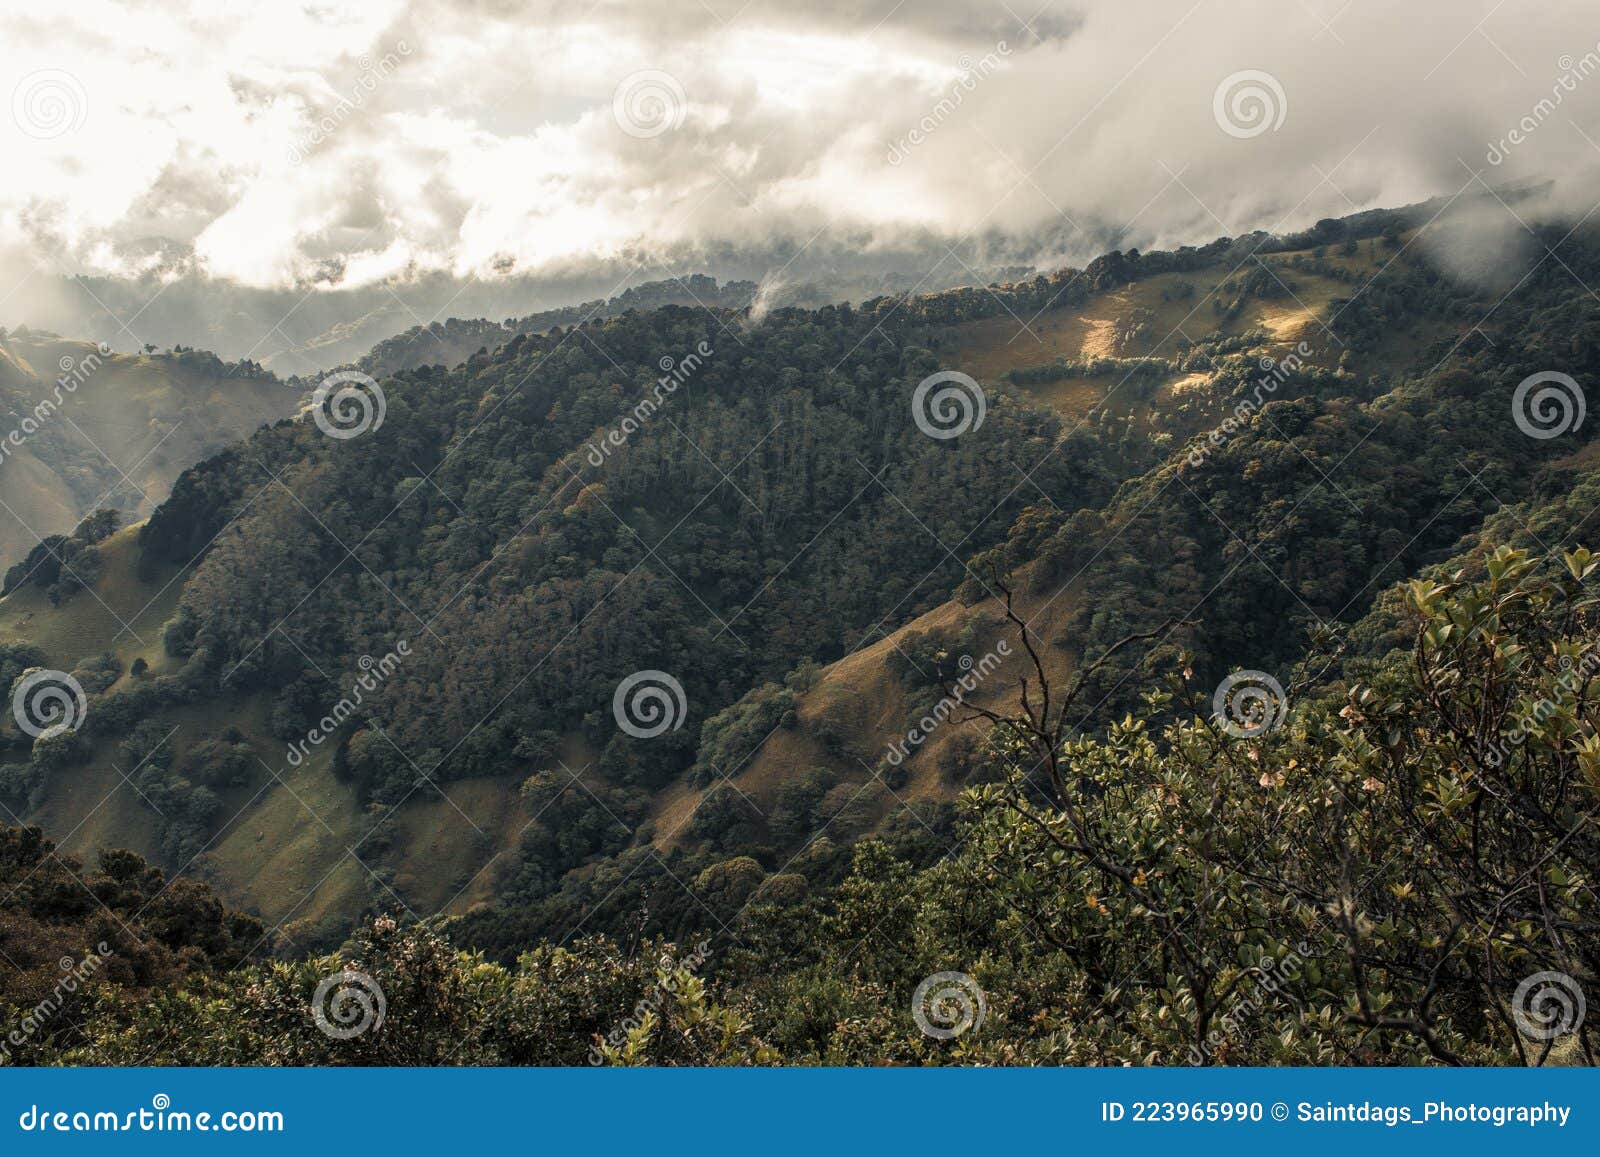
<point>347,144</point>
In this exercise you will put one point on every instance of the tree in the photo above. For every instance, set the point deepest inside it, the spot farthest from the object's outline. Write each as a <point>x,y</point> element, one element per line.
<point>98,526</point>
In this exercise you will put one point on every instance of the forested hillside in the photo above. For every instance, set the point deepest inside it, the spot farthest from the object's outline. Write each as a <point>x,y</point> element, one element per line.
<point>87,429</point>
<point>761,668</point>
<point>450,342</point>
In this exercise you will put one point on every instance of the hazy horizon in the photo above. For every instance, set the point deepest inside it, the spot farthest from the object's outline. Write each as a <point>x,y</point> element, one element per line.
<point>292,178</point>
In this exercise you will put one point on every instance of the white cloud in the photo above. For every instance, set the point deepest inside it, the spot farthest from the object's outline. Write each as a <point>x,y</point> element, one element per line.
<point>273,145</point>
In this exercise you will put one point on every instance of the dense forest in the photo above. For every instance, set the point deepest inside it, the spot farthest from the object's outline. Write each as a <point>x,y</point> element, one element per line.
<point>1386,856</point>
<point>455,339</point>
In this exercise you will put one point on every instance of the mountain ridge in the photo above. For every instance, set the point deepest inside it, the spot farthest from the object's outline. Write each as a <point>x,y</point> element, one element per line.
<point>1101,386</point>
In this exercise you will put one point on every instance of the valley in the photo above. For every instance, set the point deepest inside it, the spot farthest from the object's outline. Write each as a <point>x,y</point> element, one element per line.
<point>96,429</point>
<point>308,850</point>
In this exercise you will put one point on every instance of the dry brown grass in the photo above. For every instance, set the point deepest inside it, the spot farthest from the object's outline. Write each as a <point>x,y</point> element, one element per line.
<point>861,698</point>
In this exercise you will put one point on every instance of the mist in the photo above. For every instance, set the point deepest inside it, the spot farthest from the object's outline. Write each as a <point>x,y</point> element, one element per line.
<point>285,183</point>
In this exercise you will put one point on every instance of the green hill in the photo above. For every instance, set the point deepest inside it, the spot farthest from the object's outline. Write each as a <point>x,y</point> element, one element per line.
<point>84,428</point>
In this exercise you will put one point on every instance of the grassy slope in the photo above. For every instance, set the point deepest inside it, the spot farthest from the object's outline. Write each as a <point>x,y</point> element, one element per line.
<point>861,698</point>
<point>147,418</point>
<point>284,849</point>
<point>34,496</point>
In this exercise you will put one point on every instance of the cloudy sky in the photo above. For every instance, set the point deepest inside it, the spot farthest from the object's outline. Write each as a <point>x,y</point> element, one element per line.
<point>277,144</point>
